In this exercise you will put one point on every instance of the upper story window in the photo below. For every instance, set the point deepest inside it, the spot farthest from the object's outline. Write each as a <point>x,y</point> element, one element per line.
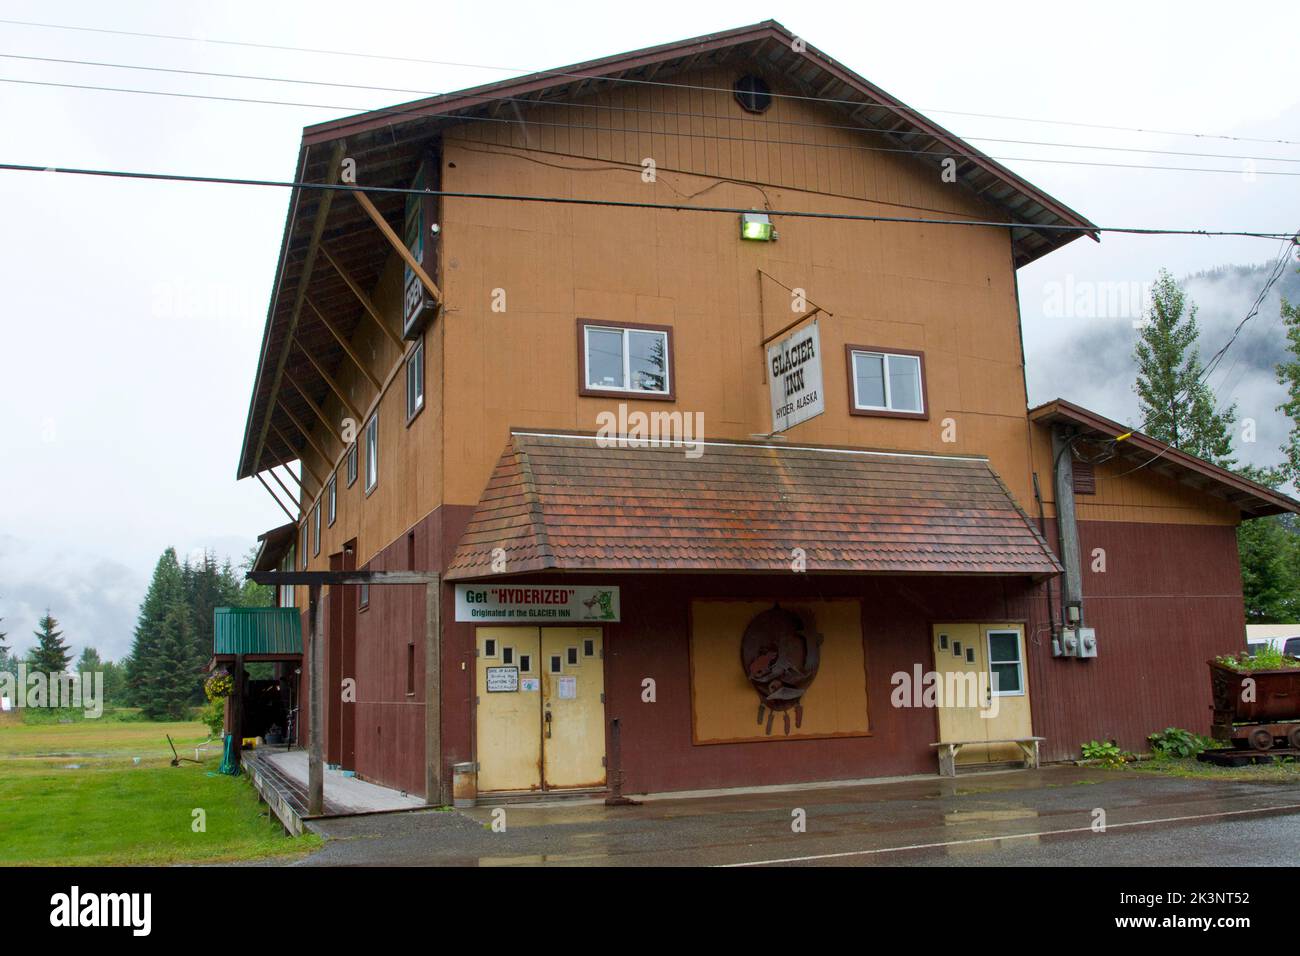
<point>286,590</point>
<point>372,452</point>
<point>303,549</point>
<point>886,382</point>
<point>415,381</point>
<point>626,359</point>
<point>352,465</point>
<point>315,530</point>
<point>332,499</point>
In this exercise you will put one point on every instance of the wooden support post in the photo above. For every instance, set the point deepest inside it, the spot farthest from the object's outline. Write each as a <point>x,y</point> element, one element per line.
<point>275,496</point>
<point>311,403</point>
<point>298,499</point>
<point>287,470</point>
<point>296,454</point>
<point>237,709</point>
<point>345,345</point>
<point>329,380</point>
<point>398,246</point>
<point>433,693</point>
<point>362,298</point>
<point>316,674</point>
<point>302,430</point>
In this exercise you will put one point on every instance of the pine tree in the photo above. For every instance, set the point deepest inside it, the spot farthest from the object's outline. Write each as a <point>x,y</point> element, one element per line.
<point>165,590</point>
<point>89,661</point>
<point>1288,374</point>
<point>1176,406</point>
<point>4,648</point>
<point>173,670</point>
<point>51,655</point>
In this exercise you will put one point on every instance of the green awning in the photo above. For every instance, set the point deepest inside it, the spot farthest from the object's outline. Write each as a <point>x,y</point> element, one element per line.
<point>257,630</point>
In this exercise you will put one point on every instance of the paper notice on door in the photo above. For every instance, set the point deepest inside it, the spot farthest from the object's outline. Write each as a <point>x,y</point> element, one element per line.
<point>529,683</point>
<point>568,687</point>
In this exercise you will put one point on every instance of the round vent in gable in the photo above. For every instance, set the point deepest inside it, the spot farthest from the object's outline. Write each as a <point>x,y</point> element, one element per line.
<point>753,93</point>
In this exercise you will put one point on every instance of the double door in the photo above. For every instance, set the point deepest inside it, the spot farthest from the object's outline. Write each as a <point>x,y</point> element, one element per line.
<point>540,708</point>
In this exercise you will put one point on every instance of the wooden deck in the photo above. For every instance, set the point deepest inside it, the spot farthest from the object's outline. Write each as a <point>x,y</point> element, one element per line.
<point>286,797</point>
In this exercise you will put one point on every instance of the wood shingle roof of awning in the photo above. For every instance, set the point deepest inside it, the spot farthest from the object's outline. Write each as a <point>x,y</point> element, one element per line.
<point>570,502</point>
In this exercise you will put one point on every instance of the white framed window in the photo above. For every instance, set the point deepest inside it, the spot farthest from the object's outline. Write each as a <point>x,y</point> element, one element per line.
<point>287,597</point>
<point>635,359</point>
<point>332,499</point>
<point>1006,663</point>
<point>352,465</point>
<point>887,383</point>
<point>315,530</point>
<point>415,381</point>
<point>363,596</point>
<point>303,551</point>
<point>372,452</point>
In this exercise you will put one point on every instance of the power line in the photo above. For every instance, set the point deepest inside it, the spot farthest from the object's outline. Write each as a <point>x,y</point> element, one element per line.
<point>631,204</point>
<point>401,111</point>
<point>630,109</point>
<point>624,80</point>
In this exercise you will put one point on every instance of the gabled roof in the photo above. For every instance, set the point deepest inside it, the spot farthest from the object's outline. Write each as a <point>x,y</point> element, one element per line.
<point>571,502</point>
<point>388,144</point>
<point>1253,499</point>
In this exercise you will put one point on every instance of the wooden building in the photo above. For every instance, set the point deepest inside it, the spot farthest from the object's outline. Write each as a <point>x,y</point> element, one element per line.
<point>464,375</point>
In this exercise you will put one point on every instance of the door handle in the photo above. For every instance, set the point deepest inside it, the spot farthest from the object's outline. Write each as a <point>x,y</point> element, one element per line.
<point>548,725</point>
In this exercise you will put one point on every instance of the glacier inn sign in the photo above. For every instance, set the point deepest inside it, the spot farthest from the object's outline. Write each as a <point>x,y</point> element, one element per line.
<point>794,374</point>
<point>526,603</point>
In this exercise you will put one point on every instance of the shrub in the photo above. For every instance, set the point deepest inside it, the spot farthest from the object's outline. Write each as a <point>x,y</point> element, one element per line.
<point>1176,742</point>
<point>1267,658</point>
<point>1107,752</point>
<point>214,715</point>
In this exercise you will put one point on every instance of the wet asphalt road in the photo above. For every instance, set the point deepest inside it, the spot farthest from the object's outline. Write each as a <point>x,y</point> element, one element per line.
<point>1034,818</point>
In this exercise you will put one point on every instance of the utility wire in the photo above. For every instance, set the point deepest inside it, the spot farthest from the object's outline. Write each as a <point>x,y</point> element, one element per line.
<point>622,80</point>
<point>401,111</point>
<point>631,204</point>
<point>567,104</point>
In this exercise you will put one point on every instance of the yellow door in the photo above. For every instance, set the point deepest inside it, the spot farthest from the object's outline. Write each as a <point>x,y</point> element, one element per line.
<point>983,690</point>
<point>957,664</point>
<point>508,718</point>
<point>573,707</point>
<point>1003,648</point>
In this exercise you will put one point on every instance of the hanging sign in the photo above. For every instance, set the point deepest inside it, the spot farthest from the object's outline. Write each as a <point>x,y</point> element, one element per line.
<point>794,374</point>
<point>535,602</point>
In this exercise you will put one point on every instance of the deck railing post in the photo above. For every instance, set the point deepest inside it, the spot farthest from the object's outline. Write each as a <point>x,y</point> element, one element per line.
<point>315,761</point>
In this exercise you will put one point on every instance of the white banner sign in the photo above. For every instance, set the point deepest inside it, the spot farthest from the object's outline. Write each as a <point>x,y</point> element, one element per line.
<point>535,602</point>
<point>794,372</point>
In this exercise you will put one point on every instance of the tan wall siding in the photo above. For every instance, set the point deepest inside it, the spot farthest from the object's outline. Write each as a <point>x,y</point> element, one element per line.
<point>1125,494</point>
<point>949,292</point>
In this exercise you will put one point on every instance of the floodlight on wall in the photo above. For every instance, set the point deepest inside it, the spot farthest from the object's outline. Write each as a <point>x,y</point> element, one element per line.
<point>756,227</point>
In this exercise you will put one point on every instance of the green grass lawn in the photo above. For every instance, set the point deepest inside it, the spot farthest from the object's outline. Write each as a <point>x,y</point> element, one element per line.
<point>75,794</point>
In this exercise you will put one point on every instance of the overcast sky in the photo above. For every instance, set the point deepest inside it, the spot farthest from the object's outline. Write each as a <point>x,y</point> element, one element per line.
<point>131,312</point>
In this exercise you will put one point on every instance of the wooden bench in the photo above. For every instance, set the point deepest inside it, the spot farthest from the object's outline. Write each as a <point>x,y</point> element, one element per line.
<point>949,749</point>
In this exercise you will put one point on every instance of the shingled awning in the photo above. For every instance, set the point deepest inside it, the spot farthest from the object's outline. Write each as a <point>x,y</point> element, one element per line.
<point>573,503</point>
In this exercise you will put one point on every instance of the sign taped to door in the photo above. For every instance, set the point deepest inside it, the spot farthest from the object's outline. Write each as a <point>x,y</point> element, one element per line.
<point>502,679</point>
<point>535,602</point>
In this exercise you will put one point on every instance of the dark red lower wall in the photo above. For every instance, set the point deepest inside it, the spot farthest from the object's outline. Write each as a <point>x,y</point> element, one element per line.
<point>1169,599</point>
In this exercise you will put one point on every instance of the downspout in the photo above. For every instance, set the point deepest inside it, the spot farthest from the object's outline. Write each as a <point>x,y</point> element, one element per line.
<point>1067,527</point>
<point>1042,529</point>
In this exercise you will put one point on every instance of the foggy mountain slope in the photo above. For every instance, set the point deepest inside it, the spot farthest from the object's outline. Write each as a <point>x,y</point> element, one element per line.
<point>1095,367</point>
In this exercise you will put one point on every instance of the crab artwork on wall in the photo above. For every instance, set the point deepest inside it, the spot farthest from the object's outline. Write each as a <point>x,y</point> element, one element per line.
<point>780,652</point>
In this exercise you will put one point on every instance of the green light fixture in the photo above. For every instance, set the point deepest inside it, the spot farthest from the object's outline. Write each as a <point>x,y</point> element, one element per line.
<point>756,227</point>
